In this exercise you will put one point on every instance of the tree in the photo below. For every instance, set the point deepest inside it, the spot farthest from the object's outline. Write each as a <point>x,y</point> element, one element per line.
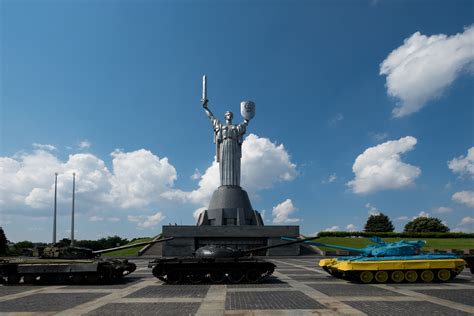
<point>24,244</point>
<point>3,242</point>
<point>426,224</point>
<point>378,223</point>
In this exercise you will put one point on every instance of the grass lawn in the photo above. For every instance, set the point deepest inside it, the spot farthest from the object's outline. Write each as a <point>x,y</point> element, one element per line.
<point>438,243</point>
<point>127,252</point>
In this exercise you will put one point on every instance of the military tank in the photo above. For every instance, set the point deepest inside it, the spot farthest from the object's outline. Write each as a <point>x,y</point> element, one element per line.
<point>216,264</point>
<point>56,264</point>
<point>397,262</point>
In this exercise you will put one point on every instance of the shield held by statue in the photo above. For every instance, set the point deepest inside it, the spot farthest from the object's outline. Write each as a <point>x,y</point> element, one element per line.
<point>247,109</point>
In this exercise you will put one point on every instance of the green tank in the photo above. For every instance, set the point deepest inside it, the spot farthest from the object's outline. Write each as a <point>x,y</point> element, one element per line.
<point>55,264</point>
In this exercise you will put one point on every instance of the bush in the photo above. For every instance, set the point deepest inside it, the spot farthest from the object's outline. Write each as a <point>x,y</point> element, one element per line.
<point>397,235</point>
<point>379,223</point>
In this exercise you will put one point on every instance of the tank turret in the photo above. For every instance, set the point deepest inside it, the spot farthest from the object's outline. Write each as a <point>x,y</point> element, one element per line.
<point>396,262</point>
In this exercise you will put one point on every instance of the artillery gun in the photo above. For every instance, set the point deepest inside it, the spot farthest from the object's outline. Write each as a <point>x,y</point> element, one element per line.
<point>383,262</point>
<point>217,264</point>
<point>55,264</point>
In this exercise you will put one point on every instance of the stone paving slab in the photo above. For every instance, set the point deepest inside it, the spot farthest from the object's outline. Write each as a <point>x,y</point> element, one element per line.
<point>44,302</point>
<point>464,296</point>
<point>125,282</point>
<point>197,291</point>
<point>8,290</point>
<point>315,278</point>
<point>403,308</point>
<point>270,300</point>
<point>138,309</point>
<point>352,290</point>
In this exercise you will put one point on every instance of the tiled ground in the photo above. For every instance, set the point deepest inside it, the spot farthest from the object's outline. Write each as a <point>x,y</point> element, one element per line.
<point>298,286</point>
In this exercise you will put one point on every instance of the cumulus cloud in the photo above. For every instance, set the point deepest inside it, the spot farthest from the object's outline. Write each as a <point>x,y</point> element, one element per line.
<point>380,167</point>
<point>44,147</point>
<point>467,221</point>
<point>424,66</point>
<point>332,229</point>
<point>330,179</point>
<point>84,144</point>
<point>136,180</point>
<point>422,214</point>
<point>443,209</point>
<point>196,175</point>
<point>372,210</point>
<point>402,218</point>
<point>351,228</point>
<point>147,221</point>
<point>463,165</point>
<point>464,197</point>
<point>264,164</point>
<point>282,212</point>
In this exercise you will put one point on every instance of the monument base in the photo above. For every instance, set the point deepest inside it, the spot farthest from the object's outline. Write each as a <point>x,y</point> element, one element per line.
<point>188,239</point>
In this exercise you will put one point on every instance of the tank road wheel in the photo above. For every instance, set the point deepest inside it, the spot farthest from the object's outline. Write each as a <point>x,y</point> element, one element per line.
<point>381,276</point>
<point>235,276</point>
<point>13,279</point>
<point>443,275</point>
<point>427,276</point>
<point>196,277</point>
<point>173,277</point>
<point>29,279</point>
<point>253,275</point>
<point>92,278</point>
<point>397,276</point>
<point>59,279</point>
<point>366,276</point>
<point>158,271</point>
<point>217,276</point>
<point>411,276</point>
<point>77,279</point>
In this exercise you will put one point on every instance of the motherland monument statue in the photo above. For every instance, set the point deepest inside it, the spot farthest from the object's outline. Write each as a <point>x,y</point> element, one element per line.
<point>229,204</point>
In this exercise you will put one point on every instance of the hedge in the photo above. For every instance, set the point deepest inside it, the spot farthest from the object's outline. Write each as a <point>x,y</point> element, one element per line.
<point>395,235</point>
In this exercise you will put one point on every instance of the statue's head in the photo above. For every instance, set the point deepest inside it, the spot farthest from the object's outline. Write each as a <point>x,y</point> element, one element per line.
<point>229,116</point>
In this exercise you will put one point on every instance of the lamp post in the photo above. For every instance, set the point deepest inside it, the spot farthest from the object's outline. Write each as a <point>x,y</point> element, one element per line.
<point>72,215</point>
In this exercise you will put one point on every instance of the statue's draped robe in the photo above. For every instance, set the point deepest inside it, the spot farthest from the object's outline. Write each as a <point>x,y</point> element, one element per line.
<point>228,139</point>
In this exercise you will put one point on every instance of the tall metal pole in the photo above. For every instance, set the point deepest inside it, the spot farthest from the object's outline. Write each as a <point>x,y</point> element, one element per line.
<point>55,205</point>
<point>72,216</point>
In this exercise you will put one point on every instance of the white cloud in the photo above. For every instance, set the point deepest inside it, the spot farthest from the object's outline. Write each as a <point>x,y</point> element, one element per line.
<point>463,165</point>
<point>44,147</point>
<point>351,228</point>
<point>337,118</point>
<point>196,175</point>
<point>113,219</point>
<point>84,144</point>
<point>372,210</point>
<point>96,219</point>
<point>137,179</point>
<point>464,197</point>
<point>330,179</point>
<point>147,221</point>
<point>422,214</point>
<point>378,136</point>
<point>281,213</point>
<point>380,167</point>
<point>424,66</point>
<point>467,221</point>
<point>443,209</point>
<point>332,229</point>
<point>264,164</point>
<point>198,212</point>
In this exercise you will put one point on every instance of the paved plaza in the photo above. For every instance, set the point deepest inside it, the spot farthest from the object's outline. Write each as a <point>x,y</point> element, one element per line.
<point>298,287</point>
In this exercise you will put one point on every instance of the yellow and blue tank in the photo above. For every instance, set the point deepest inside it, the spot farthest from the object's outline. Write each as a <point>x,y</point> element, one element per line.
<point>384,262</point>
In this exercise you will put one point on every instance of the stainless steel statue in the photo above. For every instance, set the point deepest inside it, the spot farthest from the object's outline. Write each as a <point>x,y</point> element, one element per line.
<point>228,138</point>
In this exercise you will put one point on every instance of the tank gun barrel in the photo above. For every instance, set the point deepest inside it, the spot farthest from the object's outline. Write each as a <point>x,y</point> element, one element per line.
<point>328,246</point>
<point>293,241</point>
<point>144,243</point>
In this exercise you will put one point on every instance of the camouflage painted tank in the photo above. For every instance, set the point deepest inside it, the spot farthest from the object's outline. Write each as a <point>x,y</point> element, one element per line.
<point>384,262</point>
<point>60,265</point>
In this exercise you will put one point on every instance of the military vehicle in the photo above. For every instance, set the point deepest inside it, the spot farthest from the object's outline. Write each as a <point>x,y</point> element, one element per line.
<point>216,264</point>
<point>55,264</point>
<point>392,262</point>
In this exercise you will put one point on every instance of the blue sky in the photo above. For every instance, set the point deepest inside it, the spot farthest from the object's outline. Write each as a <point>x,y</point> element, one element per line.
<point>110,90</point>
